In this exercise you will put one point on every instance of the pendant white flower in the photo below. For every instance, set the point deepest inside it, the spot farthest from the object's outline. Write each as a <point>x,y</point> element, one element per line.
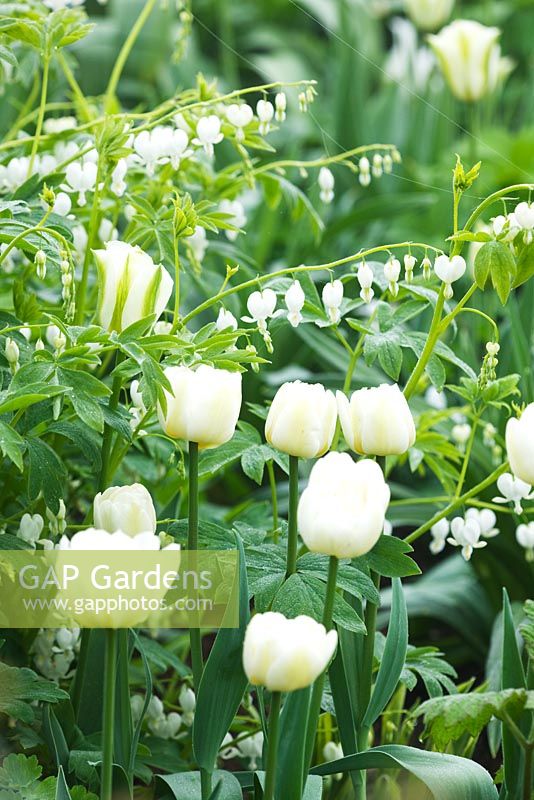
<point>392,271</point>
<point>524,217</point>
<point>265,112</point>
<point>410,262</point>
<point>486,520</point>
<point>377,421</point>
<point>326,185</point>
<point>294,299</point>
<point>226,321</point>
<point>236,212</point>
<point>525,537</point>
<point>126,508</point>
<point>208,133</point>
<point>204,406</point>
<point>280,104</point>
<point>239,115</point>
<point>466,534</point>
<point>302,419</point>
<point>469,56</point>
<point>513,490</point>
<point>439,533</point>
<point>131,286</point>
<point>118,184</point>
<point>449,270</point>
<point>30,528</point>
<point>286,654</point>
<point>261,306</point>
<point>520,444</point>
<point>198,242</point>
<point>342,510</point>
<point>80,178</point>
<point>365,279</point>
<point>429,15</point>
<point>332,297</point>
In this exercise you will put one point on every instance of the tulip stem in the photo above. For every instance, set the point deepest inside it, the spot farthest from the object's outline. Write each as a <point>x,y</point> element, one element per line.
<point>292,533</point>
<point>272,748</point>
<point>274,499</point>
<point>317,693</point>
<point>108,434</point>
<point>195,638</point>
<point>106,784</point>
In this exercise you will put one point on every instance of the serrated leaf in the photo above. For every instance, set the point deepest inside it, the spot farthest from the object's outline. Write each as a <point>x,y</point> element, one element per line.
<point>12,444</point>
<point>20,687</point>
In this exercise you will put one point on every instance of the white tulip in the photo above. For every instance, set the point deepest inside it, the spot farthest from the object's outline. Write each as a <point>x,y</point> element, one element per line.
<point>342,510</point>
<point>520,444</point>
<point>302,419</point>
<point>377,421</point>
<point>126,508</point>
<point>449,270</point>
<point>294,300</point>
<point>286,654</point>
<point>208,133</point>
<point>204,407</point>
<point>326,185</point>
<point>513,490</point>
<point>95,539</point>
<point>332,297</point>
<point>429,15</point>
<point>525,537</point>
<point>131,286</point>
<point>469,56</point>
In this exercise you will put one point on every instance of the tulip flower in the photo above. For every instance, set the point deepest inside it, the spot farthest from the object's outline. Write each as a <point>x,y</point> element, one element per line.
<point>131,286</point>
<point>429,15</point>
<point>126,508</point>
<point>470,58</point>
<point>520,444</point>
<point>377,421</point>
<point>204,407</point>
<point>342,511</point>
<point>302,419</point>
<point>286,654</point>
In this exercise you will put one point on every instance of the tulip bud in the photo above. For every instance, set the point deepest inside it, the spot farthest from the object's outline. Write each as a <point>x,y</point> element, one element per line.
<point>131,286</point>
<point>469,56</point>
<point>342,511</point>
<point>302,419</point>
<point>377,421</point>
<point>125,508</point>
<point>286,654</point>
<point>520,445</point>
<point>429,15</point>
<point>204,406</point>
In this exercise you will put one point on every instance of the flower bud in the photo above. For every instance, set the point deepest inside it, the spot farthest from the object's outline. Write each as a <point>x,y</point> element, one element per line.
<point>429,15</point>
<point>377,421</point>
<point>280,104</point>
<point>302,419</point>
<point>12,352</point>
<point>131,286</point>
<point>365,279</point>
<point>265,112</point>
<point>392,270</point>
<point>409,264</point>
<point>204,406</point>
<point>326,184</point>
<point>294,300</point>
<point>40,264</point>
<point>125,508</point>
<point>342,511</point>
<point>226,321</point>
<point>332,296</point>
<point>520,445</point>
<point>286,654</point>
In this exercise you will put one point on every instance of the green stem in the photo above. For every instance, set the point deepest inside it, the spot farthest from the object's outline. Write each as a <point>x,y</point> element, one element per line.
<point>317,693</point>
<point>106,788</point>
<point>176,315</point>
<point>75,87</point>
<point>433,335</point>
<point>40,117</point>
<point>467,456</point>
<point>457,503</point>
<point>23,234</point>
<point>124,708</point>
<point>272,747</point>
<point>366,676</point>
<point>292,533</point>
<point>124,53</point>
<point>274,498</point>
<point>195,638</point>
<point>108,434</point>
<point>527,778</point>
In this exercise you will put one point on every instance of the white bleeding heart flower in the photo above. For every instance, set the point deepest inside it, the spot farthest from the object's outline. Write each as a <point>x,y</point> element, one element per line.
<point>332,297</point>
<point>439,533</point>
<point>486,519</point>
<point>513,490</point>
<point>261,306</point>
<point>525,537</point>
<point>466,534</point>
<point>236,212</point>
<point>239,115</point>
<point>208,133</point>
<point>294,299</point>
<point>265,112</point>
<point>449,270</point>
<point>80,178</point>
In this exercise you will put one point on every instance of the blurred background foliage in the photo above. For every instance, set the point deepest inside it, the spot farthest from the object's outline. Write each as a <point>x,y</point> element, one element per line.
<point>371,87</point>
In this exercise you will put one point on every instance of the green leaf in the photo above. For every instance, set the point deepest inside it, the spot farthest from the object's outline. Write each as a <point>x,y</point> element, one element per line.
<point>186,785</point>
<point>223,681</point>
<point>18,771</point>
<point>20,687</point>
<point>393,657</point>
<point>388,558</point>
<point>496,259</point>
<point>55,738</point>
<point>292,744</point>
<point>450,717</point>
<point>62,790</point>
<point>47,473</point>
<point>12,444</point>
<point>525,265</point>
<point>512,677</point>
<point>447,777</point>
<point>527,628</point>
